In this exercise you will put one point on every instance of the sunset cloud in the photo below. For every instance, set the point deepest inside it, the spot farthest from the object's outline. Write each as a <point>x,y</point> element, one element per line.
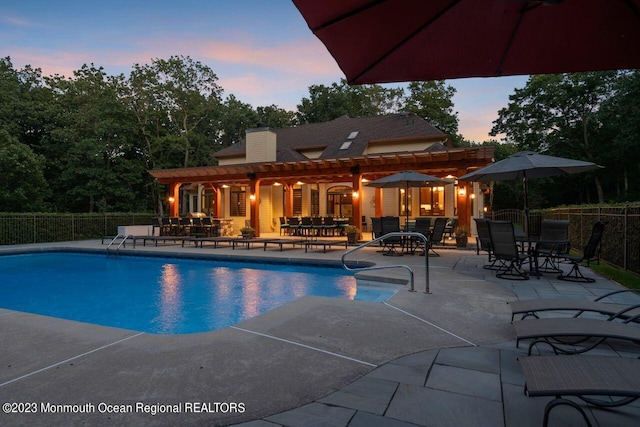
<point>262,52</point>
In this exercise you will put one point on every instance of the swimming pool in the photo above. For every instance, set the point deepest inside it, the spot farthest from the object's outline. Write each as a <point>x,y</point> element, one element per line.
<point>163,295</point>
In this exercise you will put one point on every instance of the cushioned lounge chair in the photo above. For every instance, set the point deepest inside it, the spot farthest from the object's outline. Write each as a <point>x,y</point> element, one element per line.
<point>589,378</point>
<point>531,307</point>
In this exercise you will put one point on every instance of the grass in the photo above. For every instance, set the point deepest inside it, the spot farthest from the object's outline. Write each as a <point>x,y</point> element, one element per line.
<point>624,277</point>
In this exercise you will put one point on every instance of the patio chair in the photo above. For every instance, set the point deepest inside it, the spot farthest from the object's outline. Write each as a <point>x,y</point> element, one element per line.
<point>185,226</point>
<point>284,226</point>
<point>588,253</point>
<point>294,225</point>
<point>422,226</point>
<point>450,227</point>
<point>505,249</point>
<point>376,227</point>
<point>552,230</point>
<point>316,225</point>
<point>155,223</point>
<point>391,224</point>
<point>483,243</point>
<point>329,224</point>
<point>531,307</point>
<point>306,225</point>
<point>197,228</point>
<point>435,236</point>
<point>590,378</point>
<point>174,223</point>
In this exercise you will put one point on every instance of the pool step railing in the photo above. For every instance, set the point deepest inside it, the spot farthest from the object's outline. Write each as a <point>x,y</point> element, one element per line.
<point>124,238</point>
<point>401,234</point>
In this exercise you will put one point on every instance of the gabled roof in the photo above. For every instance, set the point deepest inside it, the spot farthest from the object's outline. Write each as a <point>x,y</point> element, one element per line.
<point>331,135</point>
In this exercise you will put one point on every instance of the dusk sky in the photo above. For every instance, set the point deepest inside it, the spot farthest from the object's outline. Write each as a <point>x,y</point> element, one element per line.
<point>261,50</point>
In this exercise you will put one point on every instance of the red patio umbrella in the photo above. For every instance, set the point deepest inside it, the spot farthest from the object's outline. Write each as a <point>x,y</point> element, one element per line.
<point>381,41</point>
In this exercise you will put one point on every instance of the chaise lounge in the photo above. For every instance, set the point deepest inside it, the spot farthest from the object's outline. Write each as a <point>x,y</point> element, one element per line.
<point>531,307</point>
<point>586,377</point>
<point>561,334</point>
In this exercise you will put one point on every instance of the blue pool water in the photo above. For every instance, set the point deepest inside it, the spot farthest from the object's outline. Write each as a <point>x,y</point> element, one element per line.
<point>162,295</point>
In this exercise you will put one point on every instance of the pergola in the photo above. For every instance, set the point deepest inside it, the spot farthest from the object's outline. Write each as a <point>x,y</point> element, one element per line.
<point>454,162</point>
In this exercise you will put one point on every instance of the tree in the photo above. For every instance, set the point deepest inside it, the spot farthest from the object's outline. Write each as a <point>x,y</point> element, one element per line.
<point>329,103</point>
<point>96,144</point>
<point>24,103</point>
<point>237,117</point>
<point>171,99</point>
<point>22,184</point>
<point>433,101</point>
<point>276,117</point>
<point>558,115</point>
<point>620,126</point>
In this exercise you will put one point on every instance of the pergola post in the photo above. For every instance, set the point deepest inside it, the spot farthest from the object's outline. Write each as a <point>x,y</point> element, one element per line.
<point>218,202</point>
<point>254,204</point>
<point>356,197</point>
<point>289,202</point>
<point>464,204</point>
<point>174,199</point>
<point>378,202</point>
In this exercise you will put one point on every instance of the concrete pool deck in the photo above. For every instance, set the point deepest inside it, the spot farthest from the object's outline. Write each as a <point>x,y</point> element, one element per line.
<point>438,359</point>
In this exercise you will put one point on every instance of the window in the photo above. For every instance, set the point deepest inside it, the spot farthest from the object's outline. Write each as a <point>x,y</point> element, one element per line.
<point>432,201</point>
<point>314,208</point>
<point>238,202</point>
<point>353,134</point>
<point>297,202</point>
<point>345,145</point>
<point>339,201</point>
<point>208,201</point>
<point>403,198</point>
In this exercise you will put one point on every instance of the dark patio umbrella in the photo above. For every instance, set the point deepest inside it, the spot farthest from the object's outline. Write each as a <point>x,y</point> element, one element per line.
<point>407,179</point>
<point>380,41</point>
<point>528,164</point>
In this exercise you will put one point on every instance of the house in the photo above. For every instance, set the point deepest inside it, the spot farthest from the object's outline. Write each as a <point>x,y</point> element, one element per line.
<point>321,169</point>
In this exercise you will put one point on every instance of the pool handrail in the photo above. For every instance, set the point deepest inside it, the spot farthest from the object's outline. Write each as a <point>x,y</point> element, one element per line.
<point>381,267</point>
<point>124,238</point>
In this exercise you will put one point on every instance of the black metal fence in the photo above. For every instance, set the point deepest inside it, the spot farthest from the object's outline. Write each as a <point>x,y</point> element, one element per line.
<point>621,240</point>
<point>41,228</point>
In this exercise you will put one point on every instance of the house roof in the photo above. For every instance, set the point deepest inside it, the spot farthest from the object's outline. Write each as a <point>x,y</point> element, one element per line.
<point>330,136</point>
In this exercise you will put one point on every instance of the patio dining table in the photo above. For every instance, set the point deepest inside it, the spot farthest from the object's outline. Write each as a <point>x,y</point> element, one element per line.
<point>528,246</point>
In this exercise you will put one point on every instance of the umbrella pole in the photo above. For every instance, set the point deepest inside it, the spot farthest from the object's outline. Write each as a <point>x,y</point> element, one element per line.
<point>406,207</point>
<point>526,202</point>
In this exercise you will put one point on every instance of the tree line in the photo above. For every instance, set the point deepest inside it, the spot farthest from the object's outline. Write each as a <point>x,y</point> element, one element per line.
<point>84,143</point>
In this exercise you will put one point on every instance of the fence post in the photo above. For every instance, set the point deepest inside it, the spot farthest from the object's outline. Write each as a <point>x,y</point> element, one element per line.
<point>625,236</point>
<point>34,229</point>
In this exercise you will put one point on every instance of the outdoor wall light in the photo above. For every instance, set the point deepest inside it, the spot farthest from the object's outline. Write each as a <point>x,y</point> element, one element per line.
<point>355,194</point>
<point>276,184</point>
<point>299,183</point>
<point>462,192</point>
<point>252,197</point>
<point>171,199</point>
<point>473,196</point>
